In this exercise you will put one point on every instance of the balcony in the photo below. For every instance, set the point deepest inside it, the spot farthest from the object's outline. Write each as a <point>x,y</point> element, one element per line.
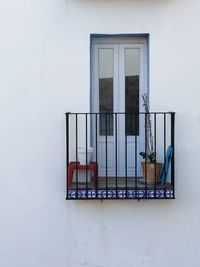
<point>120,155</point>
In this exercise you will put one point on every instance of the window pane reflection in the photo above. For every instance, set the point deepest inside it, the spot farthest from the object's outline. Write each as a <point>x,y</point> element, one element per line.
<point>106,90</point>
<point>132,67</point>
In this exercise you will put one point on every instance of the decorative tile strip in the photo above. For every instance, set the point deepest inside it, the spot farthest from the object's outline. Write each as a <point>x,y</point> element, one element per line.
<point>121,194</point>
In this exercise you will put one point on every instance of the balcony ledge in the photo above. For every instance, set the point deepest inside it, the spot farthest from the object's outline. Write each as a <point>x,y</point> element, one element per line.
<point>121,194</point>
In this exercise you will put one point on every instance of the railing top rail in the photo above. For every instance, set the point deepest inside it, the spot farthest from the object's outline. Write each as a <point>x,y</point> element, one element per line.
<point>89,113</point>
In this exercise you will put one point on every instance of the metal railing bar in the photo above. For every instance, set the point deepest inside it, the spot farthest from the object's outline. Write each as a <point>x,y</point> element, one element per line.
<point>76,155</point>
<point>111,199</point>
<point>67,152</point>
<point>97,178</point>
<point>106,156</point>
<point>126,182</point>
<point>164,152</point>
<point>116,180</point>
<point>173,151</point>
<point>86,141</point>
<point>152,112</point>
<point>136,156</point>
<point>155,155</point>
<point>146,155</point>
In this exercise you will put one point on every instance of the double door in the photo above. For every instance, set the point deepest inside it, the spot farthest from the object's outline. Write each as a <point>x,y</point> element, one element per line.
<point>119,79</point>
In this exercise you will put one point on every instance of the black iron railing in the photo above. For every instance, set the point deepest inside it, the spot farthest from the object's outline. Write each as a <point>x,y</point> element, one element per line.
<point>104,159</point>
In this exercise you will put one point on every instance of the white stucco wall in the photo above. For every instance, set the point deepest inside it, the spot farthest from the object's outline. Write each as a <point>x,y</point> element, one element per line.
<point>44,72</point>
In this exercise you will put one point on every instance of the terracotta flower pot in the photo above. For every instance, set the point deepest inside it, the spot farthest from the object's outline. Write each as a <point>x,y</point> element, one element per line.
<point>150,170</point>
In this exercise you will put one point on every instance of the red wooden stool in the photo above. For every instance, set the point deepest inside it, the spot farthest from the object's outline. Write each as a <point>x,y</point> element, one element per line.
<point>77,166</point>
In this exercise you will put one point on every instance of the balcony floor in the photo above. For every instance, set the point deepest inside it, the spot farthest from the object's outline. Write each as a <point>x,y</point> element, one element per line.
<point>133,190</point>
<point>121,184</point>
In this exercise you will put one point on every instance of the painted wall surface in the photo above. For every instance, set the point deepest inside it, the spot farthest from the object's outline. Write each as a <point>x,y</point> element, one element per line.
<point>45,72</point>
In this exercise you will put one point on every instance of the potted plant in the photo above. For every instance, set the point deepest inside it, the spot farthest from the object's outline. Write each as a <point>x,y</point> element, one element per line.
<point>151,169</point>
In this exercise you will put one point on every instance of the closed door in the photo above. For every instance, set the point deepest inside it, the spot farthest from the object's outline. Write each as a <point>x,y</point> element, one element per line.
<point>119,78</point>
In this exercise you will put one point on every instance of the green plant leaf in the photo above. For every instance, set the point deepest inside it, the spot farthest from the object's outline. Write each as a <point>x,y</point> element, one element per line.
<point>143,155</point>
<point>152,157</point>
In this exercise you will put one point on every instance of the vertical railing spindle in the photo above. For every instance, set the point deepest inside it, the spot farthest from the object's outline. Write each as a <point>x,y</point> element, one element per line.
<point>173,151</point>
<point>97,178</point>
<point>67,152</point>
<point>146,152</point>
<point>126,174</point>
<point>164,154</point>
<point>86,141</point>
<point>155,155</point>
<point>76,155</point>
<point>116,180</point>
<point>136,156</point>
<point>106,157</point>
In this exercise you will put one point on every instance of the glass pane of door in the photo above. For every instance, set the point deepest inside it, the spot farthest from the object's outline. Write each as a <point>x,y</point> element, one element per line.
<point>106,91</point>
<point>132,70</point>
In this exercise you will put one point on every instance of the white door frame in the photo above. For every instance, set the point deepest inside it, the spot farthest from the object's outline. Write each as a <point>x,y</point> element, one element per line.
<point>119,45</point>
